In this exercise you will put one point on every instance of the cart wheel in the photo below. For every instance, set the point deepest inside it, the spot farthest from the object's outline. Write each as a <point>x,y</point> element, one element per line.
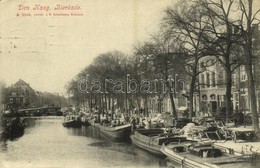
<point>233,136</point>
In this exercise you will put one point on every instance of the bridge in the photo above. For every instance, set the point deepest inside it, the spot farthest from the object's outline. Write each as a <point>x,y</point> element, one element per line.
<point>35,111</point>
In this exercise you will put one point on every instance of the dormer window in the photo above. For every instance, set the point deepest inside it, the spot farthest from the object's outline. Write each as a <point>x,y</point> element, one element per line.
<point>202,65</point>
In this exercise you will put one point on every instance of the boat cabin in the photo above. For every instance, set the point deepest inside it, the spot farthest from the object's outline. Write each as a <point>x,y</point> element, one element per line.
<point>200,150</point>
<point>205,151</point>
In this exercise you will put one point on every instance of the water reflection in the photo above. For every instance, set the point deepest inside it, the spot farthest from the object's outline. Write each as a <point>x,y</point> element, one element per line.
<point>3,145</point>
<point>91,132</point>
<point>46,143</point>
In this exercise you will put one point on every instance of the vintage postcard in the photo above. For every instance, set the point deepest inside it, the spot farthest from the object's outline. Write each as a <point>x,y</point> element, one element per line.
<point>129,83</point>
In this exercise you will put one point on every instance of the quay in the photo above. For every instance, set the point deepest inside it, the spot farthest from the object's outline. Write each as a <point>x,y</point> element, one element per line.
<point>240,148</point>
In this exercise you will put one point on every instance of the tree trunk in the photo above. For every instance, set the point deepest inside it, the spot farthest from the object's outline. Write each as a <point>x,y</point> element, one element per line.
<point>105,102</point>
<point>248,49</point>
<point>109,102</point>
<point>252,96</point>
<point>192,86</point>
<point>159,105</point>
<point>174,112</point>
<point>251,92</point>
<point>90,103</point>
<point>102,104</point>
<point>228,93</point>
<point>113,108</point>
<point>146,106</point>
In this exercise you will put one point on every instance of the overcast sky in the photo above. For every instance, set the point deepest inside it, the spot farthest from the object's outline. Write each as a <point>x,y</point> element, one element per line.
<point>48,51</point>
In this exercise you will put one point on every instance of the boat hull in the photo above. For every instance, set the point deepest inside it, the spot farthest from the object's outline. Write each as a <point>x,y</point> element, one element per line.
<point>118,133</point>
<point>85,121</point>
<point>181,161</point>
<point>72,123</point>
<point>152,149</point>
<point>13,131</point>
<point>13,128</point>
<point>189,160</point>
<point>152,139</point>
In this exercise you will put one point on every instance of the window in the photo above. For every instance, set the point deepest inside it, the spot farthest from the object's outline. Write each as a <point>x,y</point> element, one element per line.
<point>222,100</point>
<point>243,77</point>
<point>213,97</point>
<point>221,77</point>
<point>204,97</point>
<point>202,80</point>
<point>234,79</point>
<point>208,80</point>
<point>242,68</point>
<point>24,100</point>
<point>202,65</point>
<point>213,79</point>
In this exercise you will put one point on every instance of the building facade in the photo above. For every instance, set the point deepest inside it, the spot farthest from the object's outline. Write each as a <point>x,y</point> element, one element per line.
<point>20,94</point>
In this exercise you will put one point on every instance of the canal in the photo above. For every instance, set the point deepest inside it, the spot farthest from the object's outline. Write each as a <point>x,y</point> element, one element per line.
<point>46,143</point>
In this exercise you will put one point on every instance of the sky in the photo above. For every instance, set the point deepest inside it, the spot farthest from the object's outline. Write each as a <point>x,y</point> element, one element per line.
<point>48,51</point>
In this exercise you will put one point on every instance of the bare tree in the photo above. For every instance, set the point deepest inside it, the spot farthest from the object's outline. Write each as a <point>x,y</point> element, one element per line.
<point>221,40</point>
<point>248,18</point>
<point>143,53</point>
<point>188,22</point>
<point>108,66</point>
<point>167,61</point>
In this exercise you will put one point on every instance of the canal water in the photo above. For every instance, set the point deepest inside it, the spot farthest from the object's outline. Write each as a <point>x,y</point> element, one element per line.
<point>47,144</point>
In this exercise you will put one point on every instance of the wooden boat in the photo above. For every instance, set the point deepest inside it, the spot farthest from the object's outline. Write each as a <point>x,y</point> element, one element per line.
<point>200,133</point>
<point>13,127</point>
<point>85,120</point>
<point>117,132</point>
<point>152,139</point>
<point>198,155</point>
<point>93,122</point>
<point>72,121</point>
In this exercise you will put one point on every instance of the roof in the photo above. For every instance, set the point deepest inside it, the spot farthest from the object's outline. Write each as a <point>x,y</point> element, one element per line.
<point>20,82</point>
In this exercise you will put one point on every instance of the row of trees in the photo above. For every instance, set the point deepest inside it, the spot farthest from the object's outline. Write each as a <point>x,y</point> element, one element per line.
<point>190,30</point>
